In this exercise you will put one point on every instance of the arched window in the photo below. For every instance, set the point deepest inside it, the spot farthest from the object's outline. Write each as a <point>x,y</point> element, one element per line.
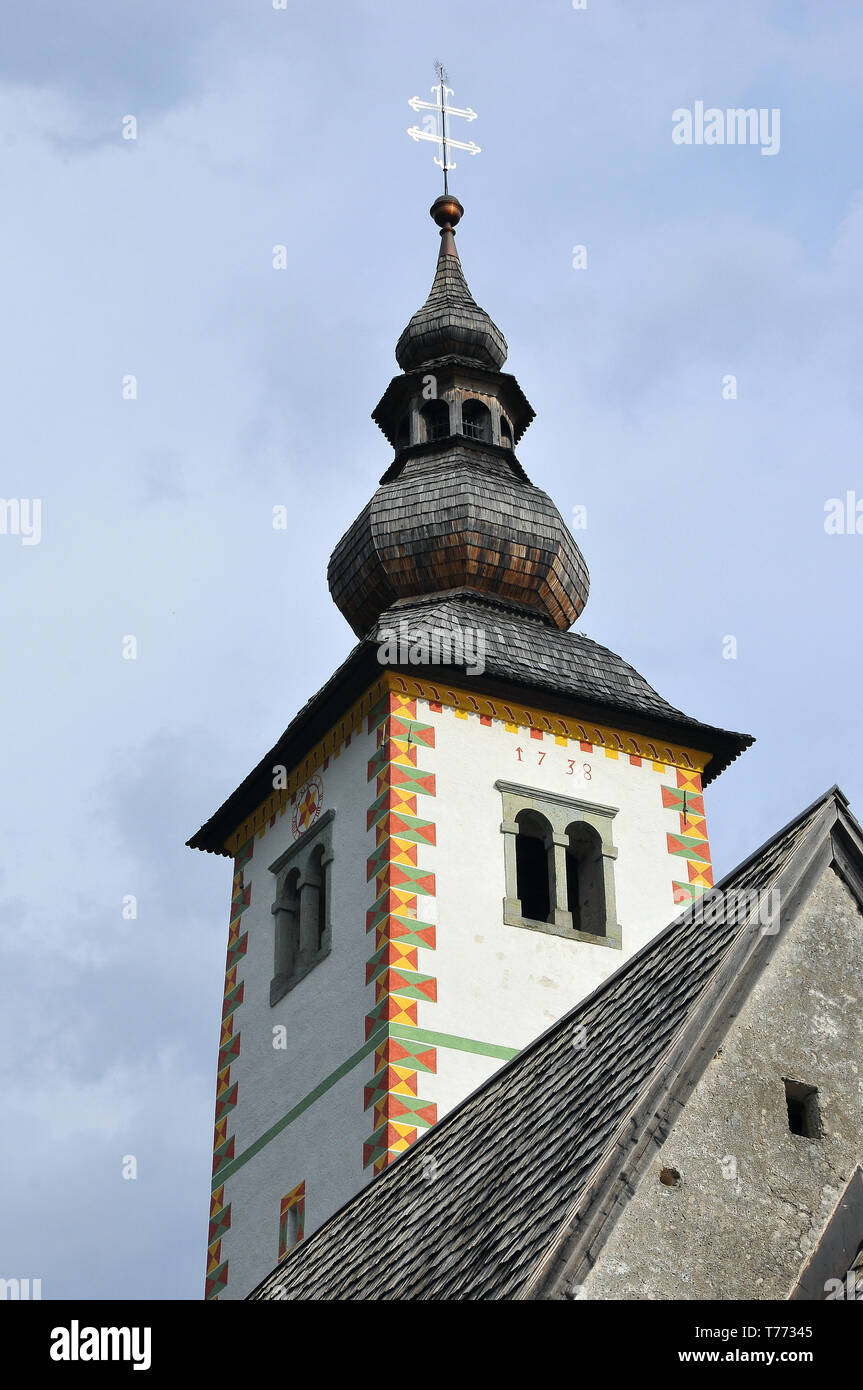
<point>532,865</point>
<point>292,1228</point>
<point>585,891</point>
<point>435,416</point>
<point>318,870</point>
<point>505,433</point>
<point>559,857</point>
<point>403,435</point>
<point>476,420</point>
<point>287,915</point>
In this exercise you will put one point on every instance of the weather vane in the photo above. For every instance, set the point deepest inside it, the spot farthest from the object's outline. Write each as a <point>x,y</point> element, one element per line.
<point>435,127</point>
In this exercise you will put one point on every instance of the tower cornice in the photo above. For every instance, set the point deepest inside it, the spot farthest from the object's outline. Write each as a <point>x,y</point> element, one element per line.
<point>558,701</point>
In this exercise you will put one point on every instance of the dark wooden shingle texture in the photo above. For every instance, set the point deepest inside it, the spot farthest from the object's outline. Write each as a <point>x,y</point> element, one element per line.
<point>458,518</point>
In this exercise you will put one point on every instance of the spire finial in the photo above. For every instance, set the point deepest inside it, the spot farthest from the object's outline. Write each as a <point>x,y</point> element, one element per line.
<point>435,126</point>
<point>447,212</point>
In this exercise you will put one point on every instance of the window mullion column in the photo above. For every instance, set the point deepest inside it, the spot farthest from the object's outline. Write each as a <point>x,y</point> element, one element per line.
<point>557,863</point>
<point>512,902</point>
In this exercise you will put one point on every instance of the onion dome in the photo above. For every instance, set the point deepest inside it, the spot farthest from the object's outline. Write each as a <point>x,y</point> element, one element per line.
<point>458,520</point>
<point>450,323</point>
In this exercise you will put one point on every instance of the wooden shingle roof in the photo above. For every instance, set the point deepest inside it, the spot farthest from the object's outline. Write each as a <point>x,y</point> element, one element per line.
<point>525,658</point>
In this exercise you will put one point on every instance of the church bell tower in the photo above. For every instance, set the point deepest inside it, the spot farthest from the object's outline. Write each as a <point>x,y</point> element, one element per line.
<point>477,819</point>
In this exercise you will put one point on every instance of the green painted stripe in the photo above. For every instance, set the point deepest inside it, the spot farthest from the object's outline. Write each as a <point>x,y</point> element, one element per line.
<point>422,1035</point>
<point>323,1086</point>
<point>398,1030</point>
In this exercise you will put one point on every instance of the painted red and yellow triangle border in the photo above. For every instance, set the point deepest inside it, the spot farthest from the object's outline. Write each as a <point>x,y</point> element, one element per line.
<point>403,839</point>
<point>689,842</point>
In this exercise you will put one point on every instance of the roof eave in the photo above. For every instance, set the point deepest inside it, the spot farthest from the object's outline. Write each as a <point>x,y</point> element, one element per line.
<point>362,667</point>
<point>318,715</point>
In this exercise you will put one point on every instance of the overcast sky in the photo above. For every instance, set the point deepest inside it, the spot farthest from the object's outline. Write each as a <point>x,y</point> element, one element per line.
<point>152,257</point>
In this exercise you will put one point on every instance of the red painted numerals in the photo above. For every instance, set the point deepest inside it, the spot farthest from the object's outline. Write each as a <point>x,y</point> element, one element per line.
<point>581,771</point>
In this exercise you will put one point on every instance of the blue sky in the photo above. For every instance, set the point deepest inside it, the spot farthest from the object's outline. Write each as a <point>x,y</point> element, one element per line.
<point>153,257</point>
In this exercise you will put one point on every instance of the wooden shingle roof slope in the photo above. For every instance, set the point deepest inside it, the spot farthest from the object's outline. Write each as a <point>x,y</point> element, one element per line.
<point>521,1182</point>
<point>529,653</point>
<point>523,657</point>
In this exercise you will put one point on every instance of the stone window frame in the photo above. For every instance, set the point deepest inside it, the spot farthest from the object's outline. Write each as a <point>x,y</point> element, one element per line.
<point>559,812</point>
<point>296,919</point>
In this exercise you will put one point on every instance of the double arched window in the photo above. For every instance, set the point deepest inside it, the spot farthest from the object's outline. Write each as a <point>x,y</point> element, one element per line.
<point>475,418</point>
<point>559,865</point>
<point>301,911</point>
<point>536,871</point>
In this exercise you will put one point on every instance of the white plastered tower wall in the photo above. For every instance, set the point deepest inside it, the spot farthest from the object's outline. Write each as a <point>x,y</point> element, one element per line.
<point>426,989</point>
<point>280,1146</point>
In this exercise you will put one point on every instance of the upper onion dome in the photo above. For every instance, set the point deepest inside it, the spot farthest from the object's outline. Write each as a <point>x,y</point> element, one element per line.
<point>450,323</point>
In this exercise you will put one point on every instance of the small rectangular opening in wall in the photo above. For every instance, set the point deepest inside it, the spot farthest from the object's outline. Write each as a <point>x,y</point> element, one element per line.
<point>804,1117</point>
